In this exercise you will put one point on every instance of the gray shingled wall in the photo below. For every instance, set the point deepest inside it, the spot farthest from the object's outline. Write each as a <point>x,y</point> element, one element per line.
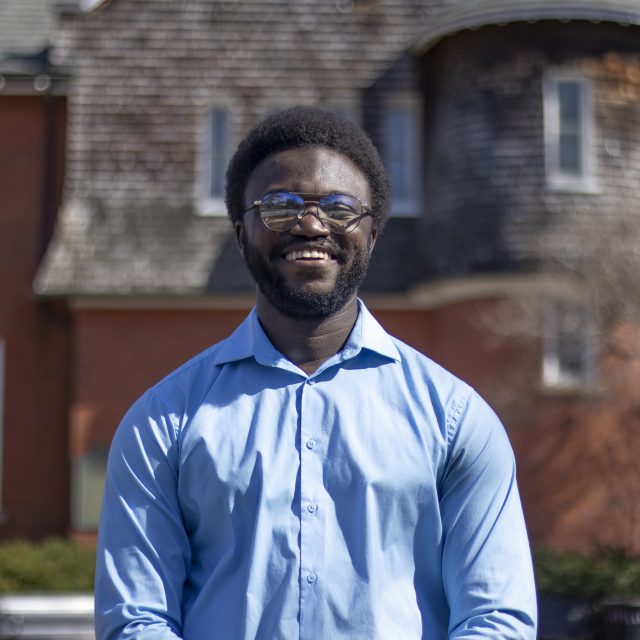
<point>488,206</point>
<point>144,73</point>
<point>146,70</point>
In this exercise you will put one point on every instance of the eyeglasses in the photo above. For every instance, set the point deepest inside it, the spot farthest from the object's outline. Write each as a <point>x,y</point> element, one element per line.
<point>338,212</point>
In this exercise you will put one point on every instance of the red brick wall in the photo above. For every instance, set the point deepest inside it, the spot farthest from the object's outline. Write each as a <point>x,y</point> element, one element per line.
<point>35,473</point>
<point>577,452</point>
<point>563,444</point>
<point>118,354</point>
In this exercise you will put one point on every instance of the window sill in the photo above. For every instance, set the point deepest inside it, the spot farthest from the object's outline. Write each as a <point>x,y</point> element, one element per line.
<point>214,208</point>
<point>559,184</point>
<point>569,389</point>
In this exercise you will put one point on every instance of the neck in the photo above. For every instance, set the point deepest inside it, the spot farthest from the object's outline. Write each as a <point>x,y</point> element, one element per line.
<point>307,342</point>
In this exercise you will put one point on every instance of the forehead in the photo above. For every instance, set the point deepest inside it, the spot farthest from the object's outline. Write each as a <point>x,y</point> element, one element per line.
<point>312,170</point>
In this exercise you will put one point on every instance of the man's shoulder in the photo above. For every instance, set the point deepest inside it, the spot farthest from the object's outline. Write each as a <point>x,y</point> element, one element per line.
<point>455,398</point>
<point>416,361</point>
<point>416,369</point>
<point>193,367</point>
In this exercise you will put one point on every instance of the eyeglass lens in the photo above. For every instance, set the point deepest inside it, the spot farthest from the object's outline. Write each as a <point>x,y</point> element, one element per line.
<point>281,211</point>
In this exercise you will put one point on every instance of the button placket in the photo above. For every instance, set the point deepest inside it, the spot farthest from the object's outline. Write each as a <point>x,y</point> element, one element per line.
<point>311,488</point>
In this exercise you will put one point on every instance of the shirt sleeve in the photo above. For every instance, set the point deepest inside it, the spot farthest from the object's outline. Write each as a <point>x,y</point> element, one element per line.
<point>143,549</point>
<point>487,569</point>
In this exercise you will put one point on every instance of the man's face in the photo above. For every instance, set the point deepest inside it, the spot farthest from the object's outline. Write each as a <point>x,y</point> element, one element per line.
<point>308,271</point>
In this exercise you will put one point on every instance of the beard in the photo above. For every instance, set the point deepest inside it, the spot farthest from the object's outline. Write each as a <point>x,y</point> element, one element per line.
<point>303,303</point>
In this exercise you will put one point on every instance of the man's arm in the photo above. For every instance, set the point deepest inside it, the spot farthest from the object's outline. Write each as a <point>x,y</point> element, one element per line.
<point>143,549</point>
<point>487,569</point>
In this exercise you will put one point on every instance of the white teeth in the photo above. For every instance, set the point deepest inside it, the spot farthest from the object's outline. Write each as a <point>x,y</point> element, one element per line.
<point>307,254</point>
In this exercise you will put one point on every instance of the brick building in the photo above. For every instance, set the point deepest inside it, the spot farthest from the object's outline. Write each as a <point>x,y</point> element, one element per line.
<point>34,359</point>
<point>512,137</point>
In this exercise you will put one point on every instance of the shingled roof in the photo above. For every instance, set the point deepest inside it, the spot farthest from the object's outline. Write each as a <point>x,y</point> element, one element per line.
<point>473,14</point>
<point>25,25</point>
<point>26,28</point>
<point>145,71</point>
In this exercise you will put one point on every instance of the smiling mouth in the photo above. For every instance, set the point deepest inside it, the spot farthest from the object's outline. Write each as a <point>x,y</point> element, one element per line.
<point>308,254</point>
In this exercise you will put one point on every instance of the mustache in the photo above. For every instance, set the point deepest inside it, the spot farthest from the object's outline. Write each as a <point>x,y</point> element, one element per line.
<point>324,244</point>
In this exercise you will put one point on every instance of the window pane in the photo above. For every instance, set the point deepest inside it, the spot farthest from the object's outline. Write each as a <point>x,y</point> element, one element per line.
<point>569,104</point>
<point>569,130</point>
<point>570,350</point>
<point>570,153</point>
<point>219,128</point>
<point>572,345</point>
<point>88,472</point>
<point>397,125</point>
<point>569,142</point>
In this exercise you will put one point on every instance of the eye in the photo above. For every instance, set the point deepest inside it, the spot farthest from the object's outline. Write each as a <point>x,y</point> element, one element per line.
<point>281,199</point>
<point>340,205</point>
<point>342,212</point>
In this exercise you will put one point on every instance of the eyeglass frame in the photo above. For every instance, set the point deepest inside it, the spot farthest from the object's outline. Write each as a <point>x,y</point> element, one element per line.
<point>366,210</point>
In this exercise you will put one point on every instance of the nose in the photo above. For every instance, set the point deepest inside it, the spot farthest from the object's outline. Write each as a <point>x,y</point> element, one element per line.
<point>309,224</point>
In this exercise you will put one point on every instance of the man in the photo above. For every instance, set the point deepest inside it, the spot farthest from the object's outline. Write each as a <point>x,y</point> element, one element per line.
<point>311,476</point>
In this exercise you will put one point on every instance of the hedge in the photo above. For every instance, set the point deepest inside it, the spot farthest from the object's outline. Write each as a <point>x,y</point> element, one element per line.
<point>60,565</point>
<point>54,565</point>
<point>607,573</point>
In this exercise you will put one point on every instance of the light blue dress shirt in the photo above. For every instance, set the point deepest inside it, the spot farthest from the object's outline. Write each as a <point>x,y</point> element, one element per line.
<point>374,499</point>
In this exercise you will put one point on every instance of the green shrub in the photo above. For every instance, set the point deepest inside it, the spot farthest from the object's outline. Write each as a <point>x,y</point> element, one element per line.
<point>58,565</point>
<point>53,565</point>
<point>606,573</point>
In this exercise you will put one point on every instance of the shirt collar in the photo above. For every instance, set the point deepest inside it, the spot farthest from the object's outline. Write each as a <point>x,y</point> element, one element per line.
<point>249,340</point>
<point>368,334</point>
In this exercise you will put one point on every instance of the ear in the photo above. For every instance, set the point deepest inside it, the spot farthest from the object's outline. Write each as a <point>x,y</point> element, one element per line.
<point>239,229</point>
<point>373,239</point>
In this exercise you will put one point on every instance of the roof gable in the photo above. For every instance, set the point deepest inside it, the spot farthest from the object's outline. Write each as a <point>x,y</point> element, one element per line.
<point>473,14</point>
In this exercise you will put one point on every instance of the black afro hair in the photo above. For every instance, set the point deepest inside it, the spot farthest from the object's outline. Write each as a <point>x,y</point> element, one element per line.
<point>307,127</point>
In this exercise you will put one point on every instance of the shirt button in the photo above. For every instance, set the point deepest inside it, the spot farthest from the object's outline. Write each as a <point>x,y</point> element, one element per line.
<point>311,443</point>
<point>312,508</point>
<point>311,578</point>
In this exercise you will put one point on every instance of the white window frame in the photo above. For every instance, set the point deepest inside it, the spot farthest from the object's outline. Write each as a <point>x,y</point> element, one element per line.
<point>208,205</point>
<point>559,179</point>
<point>554,374</point>
<point>410,104</point>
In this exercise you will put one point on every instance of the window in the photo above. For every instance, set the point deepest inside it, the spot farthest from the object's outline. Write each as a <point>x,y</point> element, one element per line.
<point>215,153</point>
<point>88,473</point>
<point>346,106</point>
<point>344,111</point>
<point>402,153</point>
<point>569,137</point>
<point>569,358</point>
